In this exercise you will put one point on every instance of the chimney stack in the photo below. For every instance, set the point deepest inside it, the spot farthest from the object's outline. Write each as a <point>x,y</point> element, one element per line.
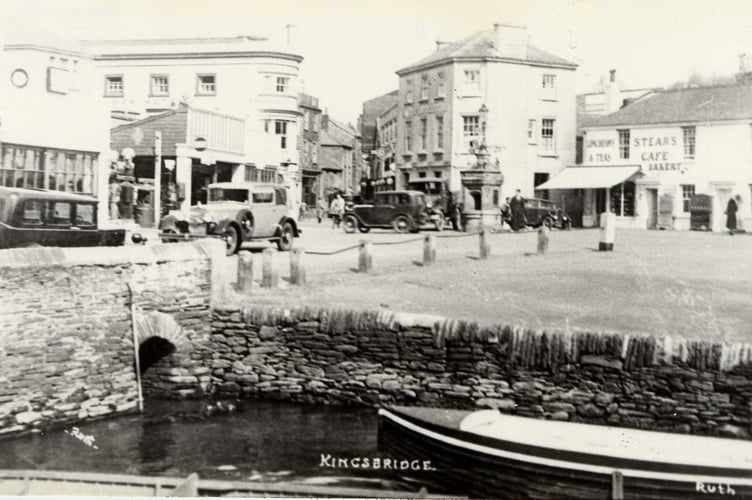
<point>612,76</point>
<point>614,100</point>
<point>511,41</point>
<point>440,44</point>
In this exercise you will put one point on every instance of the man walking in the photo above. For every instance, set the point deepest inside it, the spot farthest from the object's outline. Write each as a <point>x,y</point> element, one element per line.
<point>517,206</point>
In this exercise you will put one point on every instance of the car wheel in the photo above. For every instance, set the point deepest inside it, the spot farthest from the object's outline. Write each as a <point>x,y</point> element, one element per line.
<point>170,240</point>
<point>232,239</point>
<point>350,224</point>
<point>548,222</point>
<point>401,224</point>
<point>284,243</point>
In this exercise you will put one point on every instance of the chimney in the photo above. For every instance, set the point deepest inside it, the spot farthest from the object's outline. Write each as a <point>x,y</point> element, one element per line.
<point>290,34</point>
<point>511,41</point>
<point>324,121</point>
<point>440,44</point>
<point>614,100</point>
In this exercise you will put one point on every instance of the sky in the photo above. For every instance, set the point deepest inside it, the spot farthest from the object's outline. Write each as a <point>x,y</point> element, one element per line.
<point>352,48</point>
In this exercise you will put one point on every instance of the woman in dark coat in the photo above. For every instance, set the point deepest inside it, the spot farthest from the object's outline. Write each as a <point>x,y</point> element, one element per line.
<point>517,207</point>
<point>731,209</point>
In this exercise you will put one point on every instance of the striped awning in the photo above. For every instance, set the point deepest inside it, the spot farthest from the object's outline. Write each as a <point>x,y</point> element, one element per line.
<point>590,177</point>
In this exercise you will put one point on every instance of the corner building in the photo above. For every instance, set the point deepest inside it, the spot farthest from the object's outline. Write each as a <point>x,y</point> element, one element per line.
<point>529,127</point>
<point>646,161</point>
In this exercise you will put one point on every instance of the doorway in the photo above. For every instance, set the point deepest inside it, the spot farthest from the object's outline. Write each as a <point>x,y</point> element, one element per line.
<point>652,206</point>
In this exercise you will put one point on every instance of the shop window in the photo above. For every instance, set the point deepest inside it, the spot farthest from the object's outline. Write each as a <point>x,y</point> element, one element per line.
<point>624,144</point>
<point>689,142</point>
<point>160,85</point>
<point>206,85</point>
<point>113,86</point>
<point>623,199</point>
<point>688,191</point>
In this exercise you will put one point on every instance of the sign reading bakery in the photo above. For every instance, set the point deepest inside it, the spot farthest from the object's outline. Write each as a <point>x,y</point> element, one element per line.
<point>659,151</point>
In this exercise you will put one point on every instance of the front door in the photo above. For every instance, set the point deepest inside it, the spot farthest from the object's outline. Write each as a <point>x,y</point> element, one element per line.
<point>652,206</point>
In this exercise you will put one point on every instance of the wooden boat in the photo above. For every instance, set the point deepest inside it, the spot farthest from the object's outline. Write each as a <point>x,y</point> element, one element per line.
<point>487,454</point>
<point>59,483</point>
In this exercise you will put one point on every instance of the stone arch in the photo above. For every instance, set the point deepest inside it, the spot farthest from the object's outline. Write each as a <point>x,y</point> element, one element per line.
<point>158,324</point>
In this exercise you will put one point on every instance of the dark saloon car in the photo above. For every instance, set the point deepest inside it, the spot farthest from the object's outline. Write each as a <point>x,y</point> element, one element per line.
<point>43,217</point>
<point>540,212</point>
<point>236,212</point>
<point>402,211</point>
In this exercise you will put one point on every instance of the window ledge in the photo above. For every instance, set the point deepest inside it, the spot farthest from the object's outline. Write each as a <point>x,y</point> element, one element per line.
<point>438,151</point>
<point>439,98</point>
<point>549,155</point>
<point>423,100</point>
<point>113,96</point>
<point>198,94</point>
<point>549,99</point>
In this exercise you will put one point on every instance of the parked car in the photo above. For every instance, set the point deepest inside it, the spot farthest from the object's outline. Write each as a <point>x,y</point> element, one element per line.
<point>539,212</point>
<point>400,210</point>
<point>236,212</point>
<point>43,217</point>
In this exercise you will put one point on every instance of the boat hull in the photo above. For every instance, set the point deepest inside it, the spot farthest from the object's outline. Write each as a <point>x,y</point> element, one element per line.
<point>481,467</point>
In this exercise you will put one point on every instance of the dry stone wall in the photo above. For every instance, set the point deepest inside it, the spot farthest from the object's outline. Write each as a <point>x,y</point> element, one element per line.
<point>327,356</point>
<point>66,328</point>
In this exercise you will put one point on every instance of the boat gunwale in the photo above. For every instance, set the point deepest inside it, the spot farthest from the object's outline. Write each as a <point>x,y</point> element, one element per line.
<point>603,464</point>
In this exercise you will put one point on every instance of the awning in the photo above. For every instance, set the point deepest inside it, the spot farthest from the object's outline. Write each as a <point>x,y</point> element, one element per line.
<point>587,177</point>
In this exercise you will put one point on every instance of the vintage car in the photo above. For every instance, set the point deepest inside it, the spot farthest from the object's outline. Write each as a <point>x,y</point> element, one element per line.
<point>400,210</point>
<point>43,217</point>
<point>540,212</point>
<point>236,212</point>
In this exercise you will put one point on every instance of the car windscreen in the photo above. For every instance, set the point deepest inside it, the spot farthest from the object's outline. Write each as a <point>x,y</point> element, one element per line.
<point>228,194</point>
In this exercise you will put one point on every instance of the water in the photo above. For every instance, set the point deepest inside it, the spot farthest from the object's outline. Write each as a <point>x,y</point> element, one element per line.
<point>264,441</point>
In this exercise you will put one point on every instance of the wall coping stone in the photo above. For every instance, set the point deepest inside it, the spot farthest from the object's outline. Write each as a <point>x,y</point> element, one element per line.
<point>23,258</point>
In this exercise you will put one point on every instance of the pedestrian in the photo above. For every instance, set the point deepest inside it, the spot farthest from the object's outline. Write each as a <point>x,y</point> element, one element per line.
<point>320,211</point>
<point>517,207</point>
<point>114,198</point>
<point>731,209</point>
<point>506,216</point>
<point>337,209</point>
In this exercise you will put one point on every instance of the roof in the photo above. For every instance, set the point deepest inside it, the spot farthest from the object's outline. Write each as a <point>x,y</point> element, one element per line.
<point>483,45</point>
<point>337,134</point>
<point>590,177</point>
<point>701,104</point>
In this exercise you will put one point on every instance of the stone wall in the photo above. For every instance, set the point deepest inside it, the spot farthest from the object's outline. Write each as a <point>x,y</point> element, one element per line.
<point>328,356</point>
<point>67,329</point>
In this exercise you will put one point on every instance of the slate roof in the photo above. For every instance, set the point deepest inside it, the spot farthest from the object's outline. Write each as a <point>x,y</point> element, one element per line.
<point>701,104</point>
<point>337,134</point>
<point>482,45</point>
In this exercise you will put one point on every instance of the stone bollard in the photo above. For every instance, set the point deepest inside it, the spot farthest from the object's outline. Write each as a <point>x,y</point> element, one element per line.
<point>485,249</point>
<point>543,239</point>
<point>245,271</point>
<point>365,261</point>
<point>429,249</point>
<point>269,276</point>
<point>297,271</point>
<point>608,232</point>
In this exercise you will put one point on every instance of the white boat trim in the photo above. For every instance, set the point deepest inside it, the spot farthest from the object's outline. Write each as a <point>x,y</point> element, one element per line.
<point>597,469</point>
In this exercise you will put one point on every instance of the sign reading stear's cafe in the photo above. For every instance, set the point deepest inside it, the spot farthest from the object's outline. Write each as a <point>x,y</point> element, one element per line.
<point>657,151</point>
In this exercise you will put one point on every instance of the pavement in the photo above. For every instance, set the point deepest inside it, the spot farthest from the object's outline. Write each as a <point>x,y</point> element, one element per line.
<point>690,284</point>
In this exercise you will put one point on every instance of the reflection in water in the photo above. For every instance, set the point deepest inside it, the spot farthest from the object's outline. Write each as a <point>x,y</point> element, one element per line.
<point>264,440</point>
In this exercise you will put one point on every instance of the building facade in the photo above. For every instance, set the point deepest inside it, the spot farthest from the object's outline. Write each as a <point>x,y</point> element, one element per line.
<point>341,168</point>
<point>54,122</point>
<point>244,77</point>
<point>309,149</point>
<point>369,123</point>
<point>668,146</point>
<point>529,126</point>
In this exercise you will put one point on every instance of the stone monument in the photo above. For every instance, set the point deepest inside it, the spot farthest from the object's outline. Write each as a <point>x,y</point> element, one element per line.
<point>482,187</point>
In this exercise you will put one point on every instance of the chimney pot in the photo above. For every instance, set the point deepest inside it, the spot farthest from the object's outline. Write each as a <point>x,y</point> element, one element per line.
<point>612,76</point>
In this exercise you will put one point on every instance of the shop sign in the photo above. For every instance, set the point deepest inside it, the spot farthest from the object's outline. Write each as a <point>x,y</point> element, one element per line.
<point>601,148</point>
<point>659,151</point>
